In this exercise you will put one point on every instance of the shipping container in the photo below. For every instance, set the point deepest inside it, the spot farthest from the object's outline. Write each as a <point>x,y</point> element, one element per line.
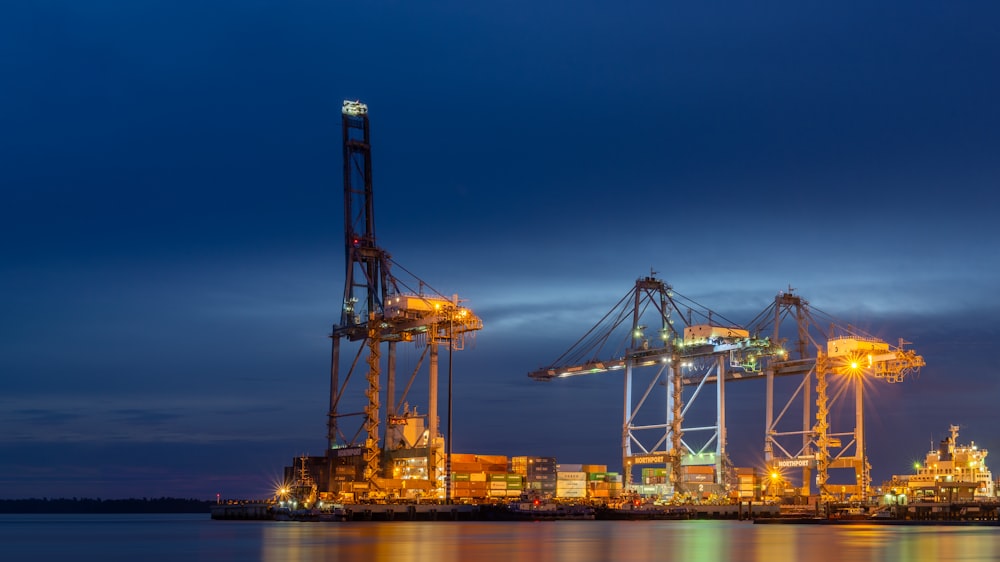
<point>846,345</point>
<point>581,476</point>
<point>569,467</point>
<point>699,478</point>
<point>541,477</point>
<point>705,331</point>
<point>493,459</point>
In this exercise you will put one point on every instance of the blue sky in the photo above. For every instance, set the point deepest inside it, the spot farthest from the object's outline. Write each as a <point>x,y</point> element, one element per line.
<point>171,226</point>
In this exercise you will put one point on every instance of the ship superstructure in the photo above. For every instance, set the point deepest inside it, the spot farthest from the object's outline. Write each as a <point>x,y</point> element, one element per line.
<point>953,464</point>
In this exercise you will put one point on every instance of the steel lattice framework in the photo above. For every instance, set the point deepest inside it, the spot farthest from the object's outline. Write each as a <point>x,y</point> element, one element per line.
<point>784,340</point>
<point>379,308</point>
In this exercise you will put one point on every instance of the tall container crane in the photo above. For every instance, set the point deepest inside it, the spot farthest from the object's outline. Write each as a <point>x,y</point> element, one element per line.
<point>649,338</point>
<point>856,358</point>
<point>821,443</point>
<point>378,307</point>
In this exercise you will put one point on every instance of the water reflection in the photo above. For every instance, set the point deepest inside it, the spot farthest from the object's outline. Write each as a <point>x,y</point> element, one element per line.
<point>601,541</point>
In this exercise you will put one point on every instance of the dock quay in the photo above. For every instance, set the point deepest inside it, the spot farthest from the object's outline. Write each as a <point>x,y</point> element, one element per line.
<point>262,511</point>
<point>243,511</point>
<point>920,513</point>
<point>409,512</point>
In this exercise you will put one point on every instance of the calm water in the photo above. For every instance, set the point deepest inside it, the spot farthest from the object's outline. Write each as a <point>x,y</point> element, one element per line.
<point>154,538</point>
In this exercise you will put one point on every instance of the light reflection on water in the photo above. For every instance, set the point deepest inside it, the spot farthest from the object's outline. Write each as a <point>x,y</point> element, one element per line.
<point>193,538</point>
<point>586,541</point>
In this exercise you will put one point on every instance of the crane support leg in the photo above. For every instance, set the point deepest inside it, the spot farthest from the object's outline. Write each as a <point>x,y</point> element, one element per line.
<point>371,453</point>
<point>822,428</point>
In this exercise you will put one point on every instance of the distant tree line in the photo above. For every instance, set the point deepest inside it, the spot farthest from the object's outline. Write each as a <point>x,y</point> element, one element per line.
<point>97,505</point>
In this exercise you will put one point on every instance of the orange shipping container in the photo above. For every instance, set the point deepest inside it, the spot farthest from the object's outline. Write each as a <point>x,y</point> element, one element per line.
<point>494,459</point>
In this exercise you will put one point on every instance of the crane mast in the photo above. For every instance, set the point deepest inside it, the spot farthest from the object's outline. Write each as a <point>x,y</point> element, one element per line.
<point>375,310</point>
<point>366,277</point>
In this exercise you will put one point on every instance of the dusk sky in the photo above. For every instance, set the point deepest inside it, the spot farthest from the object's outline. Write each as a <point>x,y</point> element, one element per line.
<point>171,221</point>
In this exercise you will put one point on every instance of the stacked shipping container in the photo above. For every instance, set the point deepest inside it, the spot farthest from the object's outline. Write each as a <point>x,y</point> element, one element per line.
<point>483,476</point>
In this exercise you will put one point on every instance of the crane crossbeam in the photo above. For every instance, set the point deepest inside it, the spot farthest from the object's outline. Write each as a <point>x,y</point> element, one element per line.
<point>649,357</point>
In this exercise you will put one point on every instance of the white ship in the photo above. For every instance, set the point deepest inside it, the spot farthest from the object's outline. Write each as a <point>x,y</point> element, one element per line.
<point>953,464</point>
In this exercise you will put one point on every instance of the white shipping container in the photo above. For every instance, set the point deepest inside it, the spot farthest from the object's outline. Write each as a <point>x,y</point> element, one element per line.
<point>843,346</point>
<point>582,493</point>
<point>571,486</point>
<point>568,476</point>
<point>704,331</point>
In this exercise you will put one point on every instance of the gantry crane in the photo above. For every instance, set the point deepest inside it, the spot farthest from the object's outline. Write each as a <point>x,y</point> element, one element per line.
<point>855,357</point>
<point>818,351</point>
<point>711,350</point>
<point>379,307</point>
<point>709,353</point>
